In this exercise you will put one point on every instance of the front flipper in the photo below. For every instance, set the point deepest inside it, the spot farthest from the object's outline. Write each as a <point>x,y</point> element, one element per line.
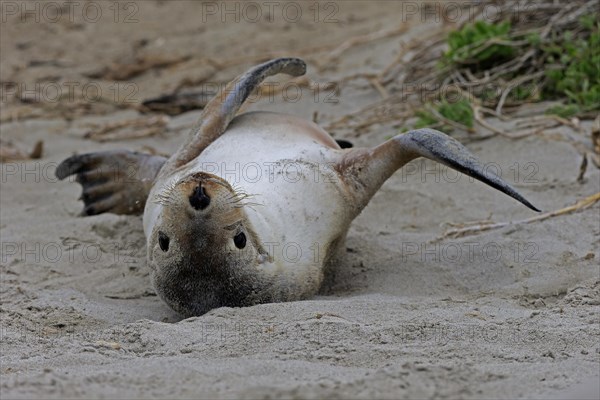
<point>113,181</point>
<point>367,169</point>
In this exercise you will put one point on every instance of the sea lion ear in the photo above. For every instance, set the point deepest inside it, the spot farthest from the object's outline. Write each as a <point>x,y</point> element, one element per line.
<point>370,168</point>
<point>344,144</point>
<point>221,109</point>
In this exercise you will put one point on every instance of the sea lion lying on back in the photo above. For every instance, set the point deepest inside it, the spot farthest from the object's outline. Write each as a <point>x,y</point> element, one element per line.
<point>256,208</point>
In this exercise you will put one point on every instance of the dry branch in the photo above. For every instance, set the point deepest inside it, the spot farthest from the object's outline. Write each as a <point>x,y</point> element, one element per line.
<point>488,225</point>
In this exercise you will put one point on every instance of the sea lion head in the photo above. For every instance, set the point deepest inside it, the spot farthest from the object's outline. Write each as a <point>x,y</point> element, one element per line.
<point>202,251</point>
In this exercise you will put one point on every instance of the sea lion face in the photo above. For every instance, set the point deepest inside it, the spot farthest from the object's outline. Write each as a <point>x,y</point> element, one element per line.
<point>202,251</point>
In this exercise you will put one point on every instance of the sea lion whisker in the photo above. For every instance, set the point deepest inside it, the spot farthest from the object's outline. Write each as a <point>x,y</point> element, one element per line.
<point>248,205</point>
<point>238,197</point>
<point>165,195</point>
<point>233,200</point>
<point>164,199</point>
<point>234,226</point>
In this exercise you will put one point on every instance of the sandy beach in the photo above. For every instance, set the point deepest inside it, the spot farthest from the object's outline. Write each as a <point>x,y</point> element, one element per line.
<point>504,313</point>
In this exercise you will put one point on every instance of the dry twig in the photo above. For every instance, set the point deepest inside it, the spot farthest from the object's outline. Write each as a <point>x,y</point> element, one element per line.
<point>487,225</point>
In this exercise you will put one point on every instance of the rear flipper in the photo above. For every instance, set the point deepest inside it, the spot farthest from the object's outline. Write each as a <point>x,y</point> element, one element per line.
<point>222,108</point>
<point>117,181</point>
<point>367,169</point>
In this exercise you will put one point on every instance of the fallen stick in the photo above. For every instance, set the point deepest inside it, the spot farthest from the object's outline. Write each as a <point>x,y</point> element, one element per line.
<point>486,226</point>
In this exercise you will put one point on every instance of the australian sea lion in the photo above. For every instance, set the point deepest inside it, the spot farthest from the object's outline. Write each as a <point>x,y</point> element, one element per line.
<point>255,208</point>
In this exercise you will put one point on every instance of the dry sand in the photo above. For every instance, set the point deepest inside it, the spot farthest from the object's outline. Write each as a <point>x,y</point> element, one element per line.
<point>510,313</point>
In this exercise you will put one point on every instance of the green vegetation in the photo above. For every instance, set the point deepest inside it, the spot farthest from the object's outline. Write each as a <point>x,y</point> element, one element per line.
<point>459,111</point>
<point>567,111</point>
<point>573,70</point>
<point>481,44</point>
<point>513,56</point>
<point>425,119</point>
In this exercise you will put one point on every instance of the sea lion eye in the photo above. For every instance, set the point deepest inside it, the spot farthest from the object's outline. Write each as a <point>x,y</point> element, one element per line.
<point>199,199</point>
<point>240,240</point>
<point>163,241</point>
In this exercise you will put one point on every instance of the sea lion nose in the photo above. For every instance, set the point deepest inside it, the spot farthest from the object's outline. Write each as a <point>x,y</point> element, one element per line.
<point>199,199</point>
